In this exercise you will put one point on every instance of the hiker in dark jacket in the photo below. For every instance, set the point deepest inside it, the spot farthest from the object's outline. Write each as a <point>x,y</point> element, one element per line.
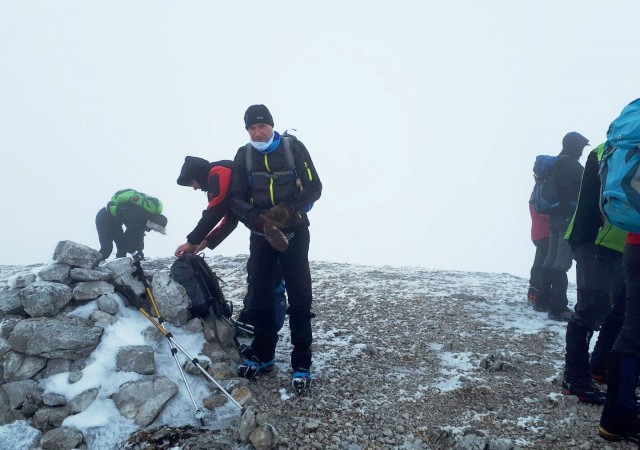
<point>597,246</point>
<point>138,213</point>
<point>217,221</point>
<point>540,280</point>
<point>567,174</point>
<point>271,201</point>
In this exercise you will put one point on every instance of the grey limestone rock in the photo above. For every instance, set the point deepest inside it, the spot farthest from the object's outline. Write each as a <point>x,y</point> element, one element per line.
<point>45,298</point>
<point>57,272</point>
<point>143,400</point>
<point>62,438</point>
<point>76,255</point>
<point>18,366</point>
<point>172,299</point>
<point>10,302</point>
<point>55,338</point>
<point>98,274</point>
<point>89,290</point>
<point>136,358</point>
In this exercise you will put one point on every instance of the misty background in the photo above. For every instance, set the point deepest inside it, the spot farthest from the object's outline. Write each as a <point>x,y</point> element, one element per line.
<point>423,118</point>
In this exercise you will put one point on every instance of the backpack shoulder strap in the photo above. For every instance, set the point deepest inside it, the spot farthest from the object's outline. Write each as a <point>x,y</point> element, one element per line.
<point>248,160</point>
<point>288,154</point>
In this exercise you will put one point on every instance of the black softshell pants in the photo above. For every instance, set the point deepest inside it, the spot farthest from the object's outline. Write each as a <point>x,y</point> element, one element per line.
<point>540,275</point>
<point>110,230</point>
<point>629,338</point>
<point>600,280</point>
<point>294,268</point>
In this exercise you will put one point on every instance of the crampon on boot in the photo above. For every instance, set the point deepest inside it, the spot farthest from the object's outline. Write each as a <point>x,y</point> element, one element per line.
<point>252,367</point>
<point>301,380</point>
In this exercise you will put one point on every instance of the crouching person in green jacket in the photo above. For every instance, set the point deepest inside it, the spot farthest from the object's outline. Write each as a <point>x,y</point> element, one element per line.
<point>138,212</point>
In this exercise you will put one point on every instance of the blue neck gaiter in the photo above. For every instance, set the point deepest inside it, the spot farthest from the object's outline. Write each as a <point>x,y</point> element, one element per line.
<point>269,146</point>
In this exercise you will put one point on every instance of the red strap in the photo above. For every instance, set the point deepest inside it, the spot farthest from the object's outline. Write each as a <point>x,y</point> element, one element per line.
<point>633,238</point>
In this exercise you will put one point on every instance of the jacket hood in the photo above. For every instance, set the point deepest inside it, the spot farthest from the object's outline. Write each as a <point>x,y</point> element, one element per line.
<point>573,144</point>
<point>194,168</point>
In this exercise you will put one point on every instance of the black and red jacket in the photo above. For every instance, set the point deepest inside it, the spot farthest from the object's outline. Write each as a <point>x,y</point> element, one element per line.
<point>217,221</point>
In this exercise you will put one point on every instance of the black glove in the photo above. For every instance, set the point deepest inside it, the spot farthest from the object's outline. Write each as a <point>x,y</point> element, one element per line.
<point>281,213</point>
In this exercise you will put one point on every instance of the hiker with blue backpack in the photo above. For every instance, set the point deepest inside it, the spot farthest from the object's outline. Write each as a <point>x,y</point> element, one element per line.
<point>597,247</point>
<point>557,196</point>
<point>540,279</point>
<point>138,213</point>
<point>274,184</point>
<point>620,203</point>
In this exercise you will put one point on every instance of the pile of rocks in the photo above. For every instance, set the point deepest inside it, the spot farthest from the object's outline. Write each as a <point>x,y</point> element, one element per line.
<point>41,337</point>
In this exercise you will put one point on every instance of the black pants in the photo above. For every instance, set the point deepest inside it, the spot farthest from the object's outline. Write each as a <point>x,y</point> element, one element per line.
<point>247,315</point>
<point>629,338</point>
<point>110,230</point>
<point>558,262</point>
<point>294,268</point>
<point>600,280</point>
<point>540,275</point>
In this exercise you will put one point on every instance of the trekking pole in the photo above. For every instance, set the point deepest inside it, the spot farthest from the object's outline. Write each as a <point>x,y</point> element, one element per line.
<point>140,274</point>
<point>172,342</point>
<point>242,326</point>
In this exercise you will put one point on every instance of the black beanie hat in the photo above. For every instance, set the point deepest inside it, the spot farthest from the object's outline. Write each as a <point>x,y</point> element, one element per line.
<point>257,114</point>
<point>194,168</point>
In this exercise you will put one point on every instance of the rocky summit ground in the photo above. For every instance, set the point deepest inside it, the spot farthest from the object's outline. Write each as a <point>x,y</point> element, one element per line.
<point>409,358</point>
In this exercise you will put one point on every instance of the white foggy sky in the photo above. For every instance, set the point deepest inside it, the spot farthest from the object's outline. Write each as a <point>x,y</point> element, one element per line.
<point>423,118</point>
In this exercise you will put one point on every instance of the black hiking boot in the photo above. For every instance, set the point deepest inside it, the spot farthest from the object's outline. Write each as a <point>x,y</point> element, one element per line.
<point>535,300</point>
<point>561,316</point>
<point>587,392</point>
<point>532,295</point>
<point>617,437</point>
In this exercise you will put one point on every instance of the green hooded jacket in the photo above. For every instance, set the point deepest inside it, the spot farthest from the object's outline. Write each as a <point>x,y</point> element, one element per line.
<point>150,204</point>
<point>588,224</point>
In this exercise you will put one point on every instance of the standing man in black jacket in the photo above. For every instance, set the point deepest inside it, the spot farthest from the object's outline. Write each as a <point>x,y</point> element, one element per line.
<point>567,175</point>
<point>271,198</point>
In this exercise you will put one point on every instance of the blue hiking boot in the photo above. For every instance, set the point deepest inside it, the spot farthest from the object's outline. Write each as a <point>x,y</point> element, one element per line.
<point>301,379</point>
<point>252,367</point>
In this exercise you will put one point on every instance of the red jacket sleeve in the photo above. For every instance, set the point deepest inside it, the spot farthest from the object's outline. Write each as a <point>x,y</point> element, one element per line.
<point>219,179</point>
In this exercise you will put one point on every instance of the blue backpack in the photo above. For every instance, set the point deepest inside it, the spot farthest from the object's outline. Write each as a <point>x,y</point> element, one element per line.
<point>544,197</point>
<point>620,170</point>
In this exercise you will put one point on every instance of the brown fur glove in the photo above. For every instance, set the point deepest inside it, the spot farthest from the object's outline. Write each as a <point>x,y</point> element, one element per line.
<point>272,234</point>
<point>281,213</point>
